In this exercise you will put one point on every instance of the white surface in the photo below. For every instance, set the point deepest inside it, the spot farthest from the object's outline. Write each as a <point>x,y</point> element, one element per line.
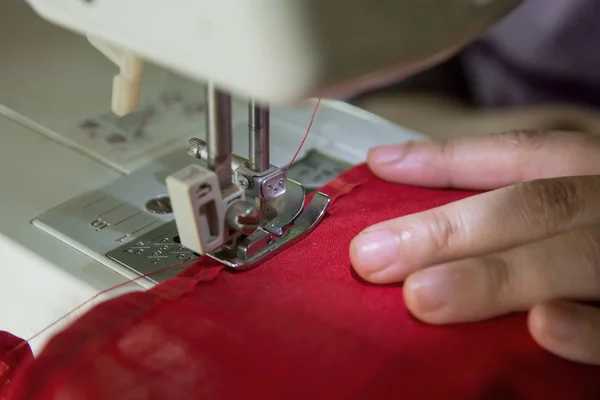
<point>283,50</point>
<point>41,278</point>
<point>54,80</point>
<point>50,81</point>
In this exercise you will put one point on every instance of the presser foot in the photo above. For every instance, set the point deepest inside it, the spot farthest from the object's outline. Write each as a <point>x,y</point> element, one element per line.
<point>267,241</point>
<point>241,225</point>
<point>288,222</point>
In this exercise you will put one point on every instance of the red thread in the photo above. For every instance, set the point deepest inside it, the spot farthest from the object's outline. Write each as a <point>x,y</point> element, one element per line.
<point>88,301</point>
<point>312,119</point>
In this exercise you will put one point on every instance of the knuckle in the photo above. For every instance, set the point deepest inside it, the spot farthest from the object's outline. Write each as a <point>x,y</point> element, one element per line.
<point>589,240</point>
<point>500,279</point>
<point>522,140</point>
<point>446,147</point>
<point>443,230</point>
<point>447,150</point>
<point>549,204</point>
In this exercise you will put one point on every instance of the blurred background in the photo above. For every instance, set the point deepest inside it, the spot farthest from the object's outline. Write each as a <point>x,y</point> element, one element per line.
<point>538,69</point>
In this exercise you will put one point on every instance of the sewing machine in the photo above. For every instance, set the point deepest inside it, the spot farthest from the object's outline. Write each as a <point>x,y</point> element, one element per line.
<point>165,133</point>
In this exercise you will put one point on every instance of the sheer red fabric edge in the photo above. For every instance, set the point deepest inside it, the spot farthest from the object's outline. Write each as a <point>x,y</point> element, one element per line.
<point>16,354</point>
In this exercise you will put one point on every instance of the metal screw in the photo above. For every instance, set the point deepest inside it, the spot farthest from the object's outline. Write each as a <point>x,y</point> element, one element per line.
<point>243,182</point>
<point>195,145</point>
<point>160,205</point>
<point>281,182</point>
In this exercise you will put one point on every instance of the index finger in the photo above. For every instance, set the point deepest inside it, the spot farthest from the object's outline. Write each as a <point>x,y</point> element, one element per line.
<point>488,162</point>
<point>483,224</point>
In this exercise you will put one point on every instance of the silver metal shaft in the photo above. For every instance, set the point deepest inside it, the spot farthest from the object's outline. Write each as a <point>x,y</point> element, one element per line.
<point>259,135</point>
<point>219,141</point>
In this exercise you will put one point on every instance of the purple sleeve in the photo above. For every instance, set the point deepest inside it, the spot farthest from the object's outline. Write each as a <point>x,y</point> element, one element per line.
<point>545,51</point>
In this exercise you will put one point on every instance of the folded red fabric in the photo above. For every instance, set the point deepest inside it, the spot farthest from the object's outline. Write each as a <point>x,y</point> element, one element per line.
<point>14,353</point>
<point>302,325</point>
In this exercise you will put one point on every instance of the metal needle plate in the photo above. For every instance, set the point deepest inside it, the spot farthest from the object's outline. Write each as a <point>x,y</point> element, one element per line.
<point>159,248</point>
<point>154,251</point>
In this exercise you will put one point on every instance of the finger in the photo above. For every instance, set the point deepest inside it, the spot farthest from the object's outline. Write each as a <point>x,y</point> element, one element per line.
<point>568,330</point>
<point>487,162</point>
<point>479,225</point>
<point>564,267</point>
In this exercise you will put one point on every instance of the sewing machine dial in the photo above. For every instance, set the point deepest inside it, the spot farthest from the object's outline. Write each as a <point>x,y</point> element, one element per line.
<point>316,169</point>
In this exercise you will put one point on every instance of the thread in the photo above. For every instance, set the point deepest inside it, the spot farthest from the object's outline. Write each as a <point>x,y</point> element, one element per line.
<point>312,119</point>
<point>91,299</point>
<point>148,275</point>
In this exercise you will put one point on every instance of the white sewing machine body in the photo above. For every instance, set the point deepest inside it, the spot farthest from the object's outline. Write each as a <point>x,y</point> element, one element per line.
<point>282,51</point>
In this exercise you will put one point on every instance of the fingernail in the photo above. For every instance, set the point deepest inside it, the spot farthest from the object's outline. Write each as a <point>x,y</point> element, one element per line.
<point>431,289</point>
<point>393,153</point>
<point>376,250</point>
<point>565,322</point>
<point>387,154</point>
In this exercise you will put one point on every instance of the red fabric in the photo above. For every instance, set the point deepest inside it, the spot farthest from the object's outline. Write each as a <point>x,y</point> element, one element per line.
<point>300,326</point>
<point>14,352</point>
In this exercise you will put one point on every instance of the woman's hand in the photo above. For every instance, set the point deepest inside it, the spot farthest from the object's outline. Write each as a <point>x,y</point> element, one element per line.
<point>531,245</point>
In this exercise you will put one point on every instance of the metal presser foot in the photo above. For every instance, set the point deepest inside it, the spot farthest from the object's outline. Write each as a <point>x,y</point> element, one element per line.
<point>239,211</point>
